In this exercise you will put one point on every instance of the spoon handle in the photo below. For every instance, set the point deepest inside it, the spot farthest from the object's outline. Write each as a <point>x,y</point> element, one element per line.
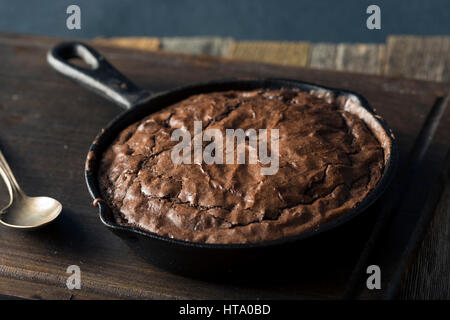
<point>8,176</point>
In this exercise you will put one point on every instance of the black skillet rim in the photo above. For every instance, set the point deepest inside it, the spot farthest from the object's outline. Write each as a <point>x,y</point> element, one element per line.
<point>110,131</point>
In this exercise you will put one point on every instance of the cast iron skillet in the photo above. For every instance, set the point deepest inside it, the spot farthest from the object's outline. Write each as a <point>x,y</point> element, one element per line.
<point>197,259</point>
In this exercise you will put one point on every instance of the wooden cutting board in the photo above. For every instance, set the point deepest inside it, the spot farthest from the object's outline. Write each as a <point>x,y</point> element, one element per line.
<point>47,124</point>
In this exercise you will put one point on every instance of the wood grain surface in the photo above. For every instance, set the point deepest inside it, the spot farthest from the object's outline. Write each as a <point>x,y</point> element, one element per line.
<point>47,124</point>
<point>428,277</point>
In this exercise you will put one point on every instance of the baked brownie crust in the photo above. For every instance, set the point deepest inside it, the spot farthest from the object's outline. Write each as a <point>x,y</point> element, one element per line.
<point>329,161</point>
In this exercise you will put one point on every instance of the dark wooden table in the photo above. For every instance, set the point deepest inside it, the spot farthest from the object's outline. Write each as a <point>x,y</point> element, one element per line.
<point>47,124</point>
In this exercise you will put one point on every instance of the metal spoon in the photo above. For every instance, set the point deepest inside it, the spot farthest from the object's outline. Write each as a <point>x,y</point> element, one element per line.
<point>25,212</point>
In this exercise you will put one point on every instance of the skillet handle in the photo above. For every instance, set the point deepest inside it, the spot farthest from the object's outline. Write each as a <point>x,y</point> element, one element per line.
<point>102,77</point>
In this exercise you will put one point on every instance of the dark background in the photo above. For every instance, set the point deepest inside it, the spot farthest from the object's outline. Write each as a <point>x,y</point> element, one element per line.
<point>318,20</point>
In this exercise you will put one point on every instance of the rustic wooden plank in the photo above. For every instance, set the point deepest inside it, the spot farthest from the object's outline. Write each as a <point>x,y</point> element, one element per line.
<point>426,58</point>
<point>41,291</point>
<point>46,126</point>
<point>215,46</point>
<point>323,56</point>
<point>282,53</point>
<point>364,58</point>
<point>431,174</point>
<point>139,43</point>
<point>354,57</point>
<point>418,195</point>
<point>428,277</point>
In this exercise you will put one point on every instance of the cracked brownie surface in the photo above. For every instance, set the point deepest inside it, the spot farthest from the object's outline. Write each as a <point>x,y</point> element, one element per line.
<point>329,161</point>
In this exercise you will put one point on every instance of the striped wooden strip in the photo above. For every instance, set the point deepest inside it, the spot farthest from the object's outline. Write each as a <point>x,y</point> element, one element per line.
<point>359,57</point>
<point>140,43</point>
<point>323,56</point>
<point>214,46</point>
<point>426,58</point>
<point>283,53</point>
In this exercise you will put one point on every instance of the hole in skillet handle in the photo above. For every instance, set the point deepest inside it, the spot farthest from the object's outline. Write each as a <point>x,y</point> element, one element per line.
<point>82,54</point>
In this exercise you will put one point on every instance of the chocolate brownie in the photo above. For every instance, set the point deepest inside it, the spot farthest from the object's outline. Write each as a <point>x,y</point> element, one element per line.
<point>329,161</point>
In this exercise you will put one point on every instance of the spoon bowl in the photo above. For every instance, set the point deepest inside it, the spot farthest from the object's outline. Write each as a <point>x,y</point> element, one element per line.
<point>24,212</point>
<point>30,212</point>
